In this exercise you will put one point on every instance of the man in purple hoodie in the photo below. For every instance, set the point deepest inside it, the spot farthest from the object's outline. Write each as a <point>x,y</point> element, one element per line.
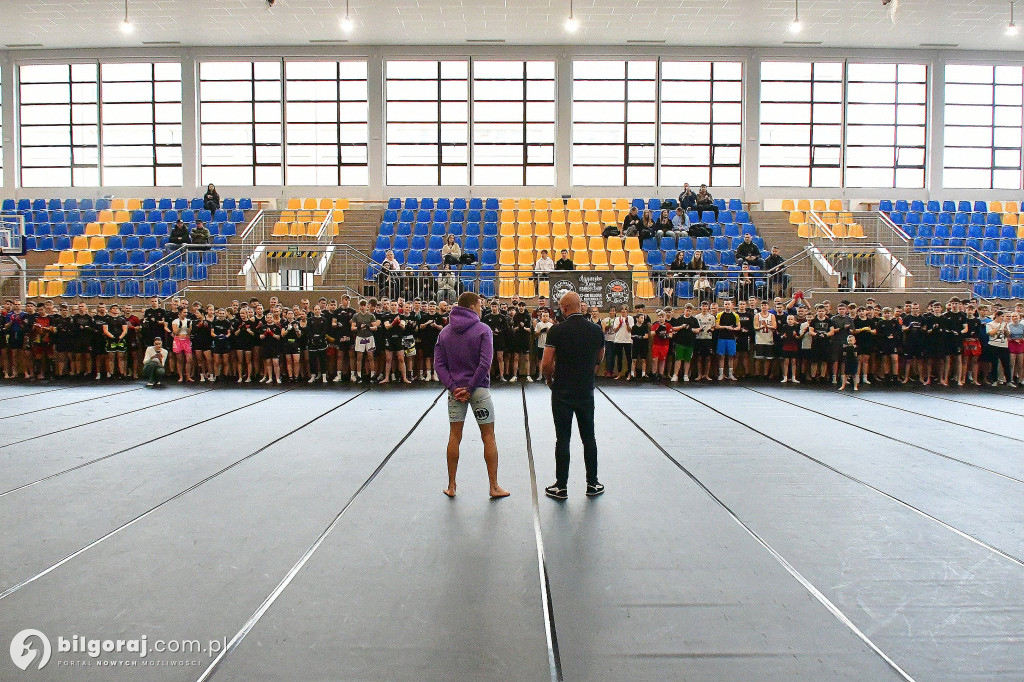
<point>462,360</point>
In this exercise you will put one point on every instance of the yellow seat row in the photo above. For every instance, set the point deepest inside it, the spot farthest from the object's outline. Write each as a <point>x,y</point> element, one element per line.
<point>298,229</point>
<point>45,288</point>
<point>818,205</point>
<point>312,204</point>
<point>85,243</point>
<point>560,204</point>
<point>576,243</point>
<point>126,204</point>
<point>600,258</point>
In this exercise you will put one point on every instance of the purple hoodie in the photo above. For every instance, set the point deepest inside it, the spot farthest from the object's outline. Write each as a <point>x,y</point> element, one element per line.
<point>462,357</point>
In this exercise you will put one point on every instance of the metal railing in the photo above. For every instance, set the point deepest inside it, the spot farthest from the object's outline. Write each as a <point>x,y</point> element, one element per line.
<point>262,228</point>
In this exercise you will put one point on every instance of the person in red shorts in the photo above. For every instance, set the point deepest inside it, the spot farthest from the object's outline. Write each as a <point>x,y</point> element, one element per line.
<point>42,338</point>
<point>661,336</point>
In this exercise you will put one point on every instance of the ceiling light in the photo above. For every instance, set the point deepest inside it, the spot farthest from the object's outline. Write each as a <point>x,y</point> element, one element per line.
<point>346,22</point>
<point>796,26</point>
<point>126,25</point>
<point>571,24</point>
<point>1011,28</point>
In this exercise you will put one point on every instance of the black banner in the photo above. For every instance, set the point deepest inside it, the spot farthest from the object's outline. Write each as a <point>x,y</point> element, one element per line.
<point>596,289</point>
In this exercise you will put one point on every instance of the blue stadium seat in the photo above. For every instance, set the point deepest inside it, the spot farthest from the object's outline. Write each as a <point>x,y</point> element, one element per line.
<point>8,205</point>
<point>474,229</point>
<point>722,243</point>
<point>949,206</point>
<point>394,203</point>
<point>933,206</point>
<point>390,217</point>
<point>735,205</point>
<point>459,204</point>
<point>476,204</point>
<point>703,243</point>
<point>490,243</point>
<point>1008,232</point>
<point>91,288</point>
<point>1005,259</point>
<point>418,243</point>
<point>433,258</point>
<point>981,207</point>
<point>404,230</point>
<point>929,219</point>
<point>685,243</point>
<point>436,242</point>
<point>885,205</point>
<point>438,229</point>
<point>472,244</point>
<point>490,216</point>
<point>684,289</point>
<point>61,243</point>
<point>693,216</point>
<point>411,203</point>
<point>407,216</point>
<point>943,231</point>
<point>491,204</point>
<point>383,242</point>
<point>1007,244</point>
<point>137,257</point>
<point>161,230</point>
<point>667,243</point>
<point>992,231</point>
<point>401,243</point>
<point>654,204</point>
<point>474,216</point>
<point>994,219</point>
<point>958,232</point>
<point>490,229</point>
<point>455,228</point>
<point>386,229</point>
<point>114,243</point>
<point>53,205</point>
<point>963,207</point>
<point>42,243</point>
<point>902,205</point>
<point>710,257</point>
<point>488,257</point>
<point>457,217</point>
<point>1001,290</point>
<point>108,288</point>
<point>421,229</point>
<point>440,215</point>
<point>168,288</point>
<point>654,258</point>
<point>917,205</point>
<point>945,218</point>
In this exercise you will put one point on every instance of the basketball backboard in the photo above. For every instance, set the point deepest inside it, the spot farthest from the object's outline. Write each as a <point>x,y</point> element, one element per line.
<point>12,234</point>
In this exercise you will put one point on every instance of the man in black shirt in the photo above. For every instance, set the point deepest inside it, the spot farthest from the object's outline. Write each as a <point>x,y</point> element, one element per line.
<point>500,325</point>
<point>778,280</point>
<point>564,263</point>
<point>99,341</point>
<point>571,352</point>
<point>748,253</point>
<point>340,329</point>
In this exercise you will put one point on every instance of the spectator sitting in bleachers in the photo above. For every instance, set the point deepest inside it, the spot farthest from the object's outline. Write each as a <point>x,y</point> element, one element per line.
<point>748,253</point>
<point>179,236</point>
<point>211,200</point>
<point>631,223</point>
<point>681,222</point>
<point>200,236</point>
<point>451,253</point>
<point>706,202</point>
<point>687,199</point>
<point>665,227</point>
<point>544,263</point>
<point>647,227</point>
<point>447,285</point>
<point>565,263</point>
<point>777,277</point>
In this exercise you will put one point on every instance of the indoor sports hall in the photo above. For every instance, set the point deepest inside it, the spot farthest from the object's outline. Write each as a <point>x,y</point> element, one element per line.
<point>274,272</point>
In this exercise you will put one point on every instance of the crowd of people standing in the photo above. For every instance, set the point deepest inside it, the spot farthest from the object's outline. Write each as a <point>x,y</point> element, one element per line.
<point>393,340</point>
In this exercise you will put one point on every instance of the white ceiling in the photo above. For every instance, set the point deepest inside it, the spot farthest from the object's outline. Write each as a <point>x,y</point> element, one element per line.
<point>970,24</point>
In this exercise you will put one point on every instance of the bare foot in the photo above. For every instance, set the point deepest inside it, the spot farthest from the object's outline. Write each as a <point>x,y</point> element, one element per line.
<point>498,492</point>
<point>406,381</point>
<point>450,490</point>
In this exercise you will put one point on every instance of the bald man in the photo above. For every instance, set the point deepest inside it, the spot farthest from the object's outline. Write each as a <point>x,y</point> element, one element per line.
<point>573,349</point>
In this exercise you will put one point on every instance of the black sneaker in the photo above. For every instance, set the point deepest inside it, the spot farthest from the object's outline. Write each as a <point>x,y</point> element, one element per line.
<point>556,493</point>
<point>593,490</point>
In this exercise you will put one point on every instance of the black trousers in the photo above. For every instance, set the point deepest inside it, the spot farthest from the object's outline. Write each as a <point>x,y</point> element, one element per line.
<point>563,407</point>
<point>1001,356</point>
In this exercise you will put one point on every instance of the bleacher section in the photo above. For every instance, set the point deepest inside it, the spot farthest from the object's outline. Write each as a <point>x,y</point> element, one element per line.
<point>507,235</point>
<point>304,217</point>
<point>839,221</point>
<point>981,243</point>
<point>115,247</point>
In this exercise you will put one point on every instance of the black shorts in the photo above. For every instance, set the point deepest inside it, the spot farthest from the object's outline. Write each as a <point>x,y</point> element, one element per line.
<point>887,347</point>
<point>345,344</point>
<point>15,342</point>
<point>820,352</point>
<point>954,346</point>
<point>222,346</point>
<point>269,349</point>
<point>704,348</point>
<point>427,346</point>
<point>201,346</point>
<point>500,343</point>
<point>520,343</point>
<point>394,344</point>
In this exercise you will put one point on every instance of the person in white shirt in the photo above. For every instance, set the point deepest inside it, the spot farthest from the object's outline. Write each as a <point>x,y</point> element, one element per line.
<point>681,221</point>
<point>542,267</point>
<point>153,363</point>
<point>623,327</point>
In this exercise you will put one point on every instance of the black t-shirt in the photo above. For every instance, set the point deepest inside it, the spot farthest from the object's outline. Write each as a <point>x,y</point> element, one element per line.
<point>727,319</point>
<point>428,332</point>
<point>98,322</point>
<point>685,330</point>
<point>564,264</point>
<point>843,323</point>
<point>341,323</point>
<point>914,325</point>
<point>115,325</point>
<point>522,323</point>
<point>863,329</point>
<point>639,332</point>
<point>577,342</point>
<point>394,319</point>
<point>931,325</point>
<point>888,331</point>
<point>953,323</point>
<point>153,324</point>
<point>221,328</point>
<point>498,322</point>
<point>821,328</point>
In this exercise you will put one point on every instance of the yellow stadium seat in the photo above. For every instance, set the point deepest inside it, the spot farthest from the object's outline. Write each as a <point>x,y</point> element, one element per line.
<point>507,230</point>
<point>644,288</point>
<point>620,214</point>
<point>313,229</point>
<point>524,229</point>
<point>109,229</point>
<point>632,244</point>
<point>559,244</point>
<point>527,287</point>
<point>622,204</point>
<point>507,257</point>
<point>541,204</point>
<point>54,288</point>
<point>818,231</point>
<point>835,205</point>
<point>287,216</point>
<point>507,216</point>
<point>104,216</point>
<point>67,257</point>
<point>324,203</point>
<point>296,229</point>
<point>584,266</point>
<point>542,215</point>
<point>1011,207</point>
<point>304,216</point>
<point>69,271</point>
<point>820,205</point>
<point>608,216</point>
<point>525,258</point>
<point>788,205</point>
<point>797,217</point>
<point>995,207</point>
<point>576,230</point>
<point>829,218</point>
<point>614,243</point>
<point>507,204</point>
<point>803,205</point>
<point>594,229</point>
<point>507,243</point>
<point>557,204</point>
<point>507,287</point>
<point>591,216</point>
<point>525,244</point>
<point>856,231</point>
<point>839,230</point>
<point>308,204</point>
<point>558,215</point>
<point>80,243</point>
<point>589,204</point>
<point>617,258</point>
<point>32,291</point>
<point>320,216</point>
<point>572,204</point>
<point>542,244</point>
<point>83,258</point>
<point>599,258</point>
<point>803,230</point>
<point>636,258</point>
<point>623,267</point>
<point>846,218</point>
<point>574,217</point>
<point>117,204</point>
<point>133,204</point>
<point>97,243</point>
<point>1020,231</point>
<point>578,243</point>
<point>280,229</point>
<point>341,204</point>
<point>294,204</point>
<point>51,271</point>
<point>605,204</point>
<point>122,217</point>
<point>542,229</point>
<point>544,290</point>
<point>1009,219</point>
<point>581,258</point>
<point>640,269</point>
<point>559,230</point>
<point>595,244</point>
<point>93,229</point>
<point>339,215</point>
<point>524,204</point>
<point>524,215</point>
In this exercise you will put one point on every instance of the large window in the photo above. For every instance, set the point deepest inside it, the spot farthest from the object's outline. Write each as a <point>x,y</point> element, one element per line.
<point>59,114</point>
<point>325,118</point>
<point>886,117</point>
<point>983,112</point>
<point>513,123</point>
<point>427,122</point>
<point>701,131</point>
<point>240,123</point>
<point>801,124</point>
<point>614,122</point>
<point>140,107</point>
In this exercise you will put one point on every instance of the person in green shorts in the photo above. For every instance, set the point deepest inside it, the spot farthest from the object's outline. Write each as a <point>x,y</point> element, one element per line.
<point>685,337</point>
